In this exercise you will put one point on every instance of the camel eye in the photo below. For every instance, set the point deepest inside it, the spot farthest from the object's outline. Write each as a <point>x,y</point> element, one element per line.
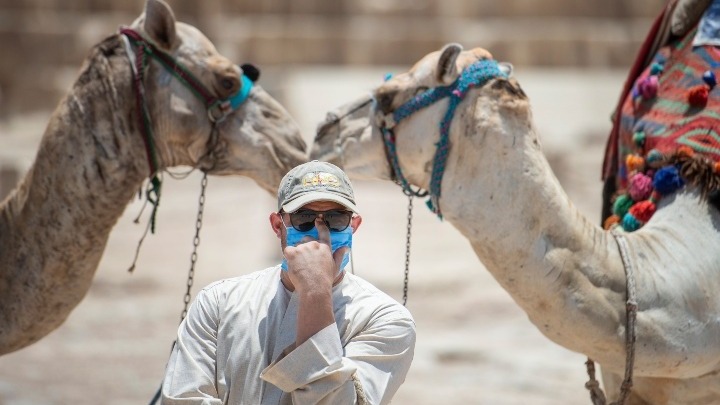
<point>227,84</point>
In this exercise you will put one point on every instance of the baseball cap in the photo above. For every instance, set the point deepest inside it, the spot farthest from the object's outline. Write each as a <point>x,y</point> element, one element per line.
<point>315,181</point>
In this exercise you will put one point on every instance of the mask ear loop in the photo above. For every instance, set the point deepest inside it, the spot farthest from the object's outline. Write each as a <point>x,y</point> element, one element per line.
<point>352,262</point>
<point>352,256</point>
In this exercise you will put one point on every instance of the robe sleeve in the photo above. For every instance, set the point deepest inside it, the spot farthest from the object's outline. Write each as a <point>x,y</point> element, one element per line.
<point>368,370</point>
<point>190,377</point>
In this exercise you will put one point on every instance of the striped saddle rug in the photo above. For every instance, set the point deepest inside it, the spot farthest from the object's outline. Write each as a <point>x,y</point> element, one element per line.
<point>668,131</point>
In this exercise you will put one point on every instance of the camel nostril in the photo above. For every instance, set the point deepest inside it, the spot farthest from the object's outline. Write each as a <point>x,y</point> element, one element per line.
<point>384,102</point>
<point>269,114</point>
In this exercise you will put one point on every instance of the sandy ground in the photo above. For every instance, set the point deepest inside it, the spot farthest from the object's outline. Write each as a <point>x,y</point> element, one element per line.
<point>475,346</point>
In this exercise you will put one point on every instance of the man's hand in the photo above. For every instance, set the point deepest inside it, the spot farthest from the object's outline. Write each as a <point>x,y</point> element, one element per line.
<point>312,269</point>
<point>311,264</point>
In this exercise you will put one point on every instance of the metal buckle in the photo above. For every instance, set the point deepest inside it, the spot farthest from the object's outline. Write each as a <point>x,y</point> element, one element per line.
<point>219,111</point>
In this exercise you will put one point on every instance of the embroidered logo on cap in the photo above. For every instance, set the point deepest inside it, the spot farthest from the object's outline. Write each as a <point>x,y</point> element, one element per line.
<point>322,179</point>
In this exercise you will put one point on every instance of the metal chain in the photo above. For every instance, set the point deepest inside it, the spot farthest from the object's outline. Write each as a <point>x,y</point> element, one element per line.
<point>407,249</point>
<point>196,243</point>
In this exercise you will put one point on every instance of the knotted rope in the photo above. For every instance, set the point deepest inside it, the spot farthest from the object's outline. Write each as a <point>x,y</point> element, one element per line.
<point>596,394</point>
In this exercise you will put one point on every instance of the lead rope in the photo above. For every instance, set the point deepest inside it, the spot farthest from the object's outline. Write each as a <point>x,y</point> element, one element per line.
<point>191,272</point>
<point>407,249</point>
<point>596,394</point>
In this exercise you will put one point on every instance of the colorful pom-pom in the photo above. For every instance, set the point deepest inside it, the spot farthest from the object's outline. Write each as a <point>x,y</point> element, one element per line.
<point>656,68</point>
<point>635,92</point>
<point>640,187</point>
<point>387,76</point>
<point>654,157</point>
<point>630,223</point>
<point>622,204</point>
<point>611,221</point>
<point>634,163</point>
<point>667,180</point>
<point>648,87</point>
<point>698,95</point>
<point>639,138</point>
<point>643,210</point>
<point>709,78</point>
<point>685,151</point>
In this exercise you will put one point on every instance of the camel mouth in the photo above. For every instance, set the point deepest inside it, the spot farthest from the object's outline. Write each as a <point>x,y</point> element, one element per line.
<point>334,118</point>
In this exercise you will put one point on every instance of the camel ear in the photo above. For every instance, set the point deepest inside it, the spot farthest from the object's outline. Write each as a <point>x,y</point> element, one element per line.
<point>160,23</point>
<point>506,68</point>
<point>447,70</point>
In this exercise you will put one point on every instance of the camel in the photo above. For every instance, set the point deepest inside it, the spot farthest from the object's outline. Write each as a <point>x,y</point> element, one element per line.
<point>94,157</point>
<point>564,271</point>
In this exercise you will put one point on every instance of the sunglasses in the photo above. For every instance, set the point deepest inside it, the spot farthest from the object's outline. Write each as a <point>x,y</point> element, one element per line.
<point>335,220</point>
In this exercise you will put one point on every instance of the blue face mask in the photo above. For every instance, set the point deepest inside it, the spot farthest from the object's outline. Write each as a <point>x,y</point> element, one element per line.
<point>337,240</point>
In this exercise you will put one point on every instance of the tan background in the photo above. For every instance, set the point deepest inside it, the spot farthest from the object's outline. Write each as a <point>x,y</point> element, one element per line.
<point>475,346</point>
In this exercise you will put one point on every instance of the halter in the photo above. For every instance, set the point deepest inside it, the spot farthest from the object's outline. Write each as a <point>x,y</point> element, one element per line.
<point>474,75</point>
<point>217,109</point>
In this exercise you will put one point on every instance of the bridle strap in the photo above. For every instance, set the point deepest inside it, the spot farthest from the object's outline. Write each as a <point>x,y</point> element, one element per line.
<point>397,175</point>
<point>474,75</point>
<point>178,70</point>
<point>141,107</point>
<point>218,109</point>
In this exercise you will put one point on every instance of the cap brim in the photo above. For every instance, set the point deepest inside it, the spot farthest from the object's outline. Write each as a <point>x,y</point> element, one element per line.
<point>307,198</point>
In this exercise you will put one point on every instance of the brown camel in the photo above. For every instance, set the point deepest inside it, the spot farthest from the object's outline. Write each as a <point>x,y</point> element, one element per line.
<point>97,151</point>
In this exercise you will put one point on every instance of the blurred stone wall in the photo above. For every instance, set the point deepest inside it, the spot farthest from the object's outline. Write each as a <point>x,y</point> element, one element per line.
<point>44,41</point>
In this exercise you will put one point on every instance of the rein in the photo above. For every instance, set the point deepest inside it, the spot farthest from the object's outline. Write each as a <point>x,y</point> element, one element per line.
<point>474,75</point>
<point>217,109</point>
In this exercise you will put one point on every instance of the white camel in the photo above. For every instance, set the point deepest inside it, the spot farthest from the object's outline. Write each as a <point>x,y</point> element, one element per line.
<point>564,271</point>
<point>94,156</point>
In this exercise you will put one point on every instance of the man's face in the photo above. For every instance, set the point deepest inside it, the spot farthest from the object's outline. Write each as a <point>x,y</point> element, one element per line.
<point>317,206</point>
<point>280,222</point>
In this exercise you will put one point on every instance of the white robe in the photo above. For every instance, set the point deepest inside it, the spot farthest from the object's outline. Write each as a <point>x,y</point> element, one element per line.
<point>232,348</point>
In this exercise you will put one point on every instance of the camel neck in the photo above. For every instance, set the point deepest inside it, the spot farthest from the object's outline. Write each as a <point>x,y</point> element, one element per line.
<point>566,272</point>
<point>506,200</point>
<point>92,146</point>
<point>54,226</point>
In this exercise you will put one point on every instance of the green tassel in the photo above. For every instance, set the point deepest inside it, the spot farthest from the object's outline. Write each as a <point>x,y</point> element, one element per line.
<point>432,208</point>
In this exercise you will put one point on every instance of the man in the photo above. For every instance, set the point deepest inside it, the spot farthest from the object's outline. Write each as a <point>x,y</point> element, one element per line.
<point>304,331</point>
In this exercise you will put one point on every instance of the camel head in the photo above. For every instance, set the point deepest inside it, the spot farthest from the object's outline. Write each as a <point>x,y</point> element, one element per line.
<point>256,138</point>
<point>351,135</point>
